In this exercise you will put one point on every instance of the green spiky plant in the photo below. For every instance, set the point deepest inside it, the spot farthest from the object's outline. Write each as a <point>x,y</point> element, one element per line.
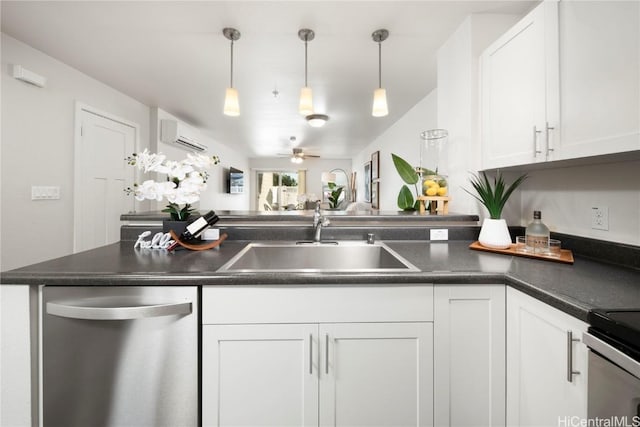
<point>493,195</point>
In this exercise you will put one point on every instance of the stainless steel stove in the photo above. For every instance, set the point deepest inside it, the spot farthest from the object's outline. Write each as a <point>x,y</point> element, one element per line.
<point>614,365</point>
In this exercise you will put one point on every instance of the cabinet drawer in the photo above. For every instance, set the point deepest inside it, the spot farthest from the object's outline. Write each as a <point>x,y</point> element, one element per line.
<point>305,304</point>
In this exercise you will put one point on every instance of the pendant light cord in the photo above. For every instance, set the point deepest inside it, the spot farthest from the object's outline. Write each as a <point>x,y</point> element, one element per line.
<point>379,65</point>
<point>305,62</point>
<point>231,79</point>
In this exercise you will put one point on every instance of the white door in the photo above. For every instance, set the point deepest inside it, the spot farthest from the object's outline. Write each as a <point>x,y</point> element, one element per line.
<point>260,375</point>
<point>376,374</point>
<point>600,75</point>
<point>469,349</point>
<point>102,175</point>
<point>543,346</point>
<point>514,94</point>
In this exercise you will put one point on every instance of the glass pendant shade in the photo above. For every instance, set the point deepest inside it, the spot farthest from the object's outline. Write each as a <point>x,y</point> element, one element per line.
<point>231,104</point>
<point>306,101</point>
<point>380,108</point>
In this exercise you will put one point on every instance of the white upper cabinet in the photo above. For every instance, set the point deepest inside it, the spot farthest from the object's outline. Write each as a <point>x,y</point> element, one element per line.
<point>519,91</point>
<point>600,77</point>
<point>563,83</point>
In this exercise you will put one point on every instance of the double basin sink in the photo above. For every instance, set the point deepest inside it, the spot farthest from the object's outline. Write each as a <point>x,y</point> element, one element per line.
<point>342,256</point>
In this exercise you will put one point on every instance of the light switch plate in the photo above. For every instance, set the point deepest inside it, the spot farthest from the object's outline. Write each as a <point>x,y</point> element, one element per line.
<point>439,234</point>
<point>39,192</point>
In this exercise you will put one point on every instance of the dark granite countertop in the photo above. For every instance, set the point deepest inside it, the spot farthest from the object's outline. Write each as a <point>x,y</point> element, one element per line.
<point>305,216</point>
<point>572,288</point>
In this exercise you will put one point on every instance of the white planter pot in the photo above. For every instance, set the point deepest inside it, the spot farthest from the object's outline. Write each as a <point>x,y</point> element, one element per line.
<point>494,234</point>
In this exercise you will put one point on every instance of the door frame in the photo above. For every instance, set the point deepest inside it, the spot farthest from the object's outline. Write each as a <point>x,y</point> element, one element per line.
<point>81,107</point>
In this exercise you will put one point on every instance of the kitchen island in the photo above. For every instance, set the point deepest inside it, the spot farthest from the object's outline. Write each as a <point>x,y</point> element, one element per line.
<point>574,289</point>
<point>456,296</point>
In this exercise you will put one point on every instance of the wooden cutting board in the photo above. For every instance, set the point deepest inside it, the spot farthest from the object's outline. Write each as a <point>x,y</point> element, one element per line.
<point>566,256</point>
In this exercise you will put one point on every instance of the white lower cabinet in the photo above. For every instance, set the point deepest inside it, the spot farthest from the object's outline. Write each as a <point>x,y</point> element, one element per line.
<point>546,364</point>
<point>349,367</point>
<point>376,374</point>
<point>469,353</point>
<point>259,375</point>
<point>450,355</point>
<point>350,374</point>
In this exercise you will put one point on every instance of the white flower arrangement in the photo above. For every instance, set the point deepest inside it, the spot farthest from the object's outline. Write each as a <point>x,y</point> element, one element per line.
<point>185,181</point>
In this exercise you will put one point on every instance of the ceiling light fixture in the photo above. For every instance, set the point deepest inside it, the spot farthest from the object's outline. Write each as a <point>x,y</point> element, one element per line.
<point>317,120</point>
<point>380,108</point>
<point>298,155</point>
<point>306,96</point>
<point>231,104</point>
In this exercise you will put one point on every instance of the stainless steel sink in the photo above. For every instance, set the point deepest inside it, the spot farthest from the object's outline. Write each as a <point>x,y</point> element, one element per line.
<point>343,256</point>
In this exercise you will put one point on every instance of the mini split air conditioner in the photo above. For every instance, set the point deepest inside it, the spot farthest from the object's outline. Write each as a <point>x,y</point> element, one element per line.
<point>174,132</point>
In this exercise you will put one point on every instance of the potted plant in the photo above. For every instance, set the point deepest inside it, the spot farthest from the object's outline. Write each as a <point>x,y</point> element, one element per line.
<point>182,186</point>
<point>411,176</point>
<point>494,195</point>
<point>334,196</point>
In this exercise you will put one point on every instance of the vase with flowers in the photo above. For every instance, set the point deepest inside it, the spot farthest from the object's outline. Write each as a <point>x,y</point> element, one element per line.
<point>184,181</point>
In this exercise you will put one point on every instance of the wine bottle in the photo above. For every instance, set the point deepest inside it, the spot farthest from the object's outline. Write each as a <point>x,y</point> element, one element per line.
<point>536,235</point>
<point>196,228</point>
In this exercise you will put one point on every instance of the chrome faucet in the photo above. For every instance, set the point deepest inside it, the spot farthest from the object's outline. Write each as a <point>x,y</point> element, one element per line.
<point>319,221</point>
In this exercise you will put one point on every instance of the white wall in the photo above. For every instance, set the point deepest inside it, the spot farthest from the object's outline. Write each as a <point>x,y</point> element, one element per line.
<point>313,166</point>
<point>566,195</point>
<point>38,146</point>
<point>215,197</point>
<point>403,139</point>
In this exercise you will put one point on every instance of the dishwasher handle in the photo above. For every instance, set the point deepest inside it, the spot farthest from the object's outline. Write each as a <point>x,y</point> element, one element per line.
<point>81,310</point>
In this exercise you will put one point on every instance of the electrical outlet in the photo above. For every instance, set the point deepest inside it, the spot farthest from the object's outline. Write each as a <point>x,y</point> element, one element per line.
<point>600,218</point>
<point>439,234</point>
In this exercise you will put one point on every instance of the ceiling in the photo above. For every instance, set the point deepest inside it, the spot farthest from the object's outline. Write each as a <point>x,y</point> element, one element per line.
<point>173,55</point>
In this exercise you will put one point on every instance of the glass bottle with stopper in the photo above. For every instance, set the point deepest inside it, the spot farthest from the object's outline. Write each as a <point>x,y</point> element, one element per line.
<point>537,235</point>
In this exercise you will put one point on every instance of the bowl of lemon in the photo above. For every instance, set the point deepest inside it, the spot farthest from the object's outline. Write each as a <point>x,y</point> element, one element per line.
<point>434,185</point>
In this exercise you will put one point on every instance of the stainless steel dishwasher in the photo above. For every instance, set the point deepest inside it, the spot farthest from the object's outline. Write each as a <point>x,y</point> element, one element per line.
<point>120,356</point>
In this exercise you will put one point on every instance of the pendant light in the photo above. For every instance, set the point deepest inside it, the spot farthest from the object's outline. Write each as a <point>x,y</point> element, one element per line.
<point>306,96</point>
<point>380,108</point>
<point>231,104</point>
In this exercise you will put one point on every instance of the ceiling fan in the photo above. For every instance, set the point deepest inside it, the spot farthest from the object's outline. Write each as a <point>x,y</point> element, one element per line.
<point>298,156</point>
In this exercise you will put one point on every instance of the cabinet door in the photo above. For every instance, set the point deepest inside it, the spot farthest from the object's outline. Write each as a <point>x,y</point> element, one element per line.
<point>376,374</point>
<point>514,91</point>
<point>260,375</point>
<point>543,347</point>
<point>469,352</point>
<point>599,71</point>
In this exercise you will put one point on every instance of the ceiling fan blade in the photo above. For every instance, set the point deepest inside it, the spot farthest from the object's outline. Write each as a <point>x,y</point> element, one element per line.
<point>311,155</point>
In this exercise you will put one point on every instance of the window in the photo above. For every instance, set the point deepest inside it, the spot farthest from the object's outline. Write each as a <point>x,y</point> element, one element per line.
<point>279,190</point>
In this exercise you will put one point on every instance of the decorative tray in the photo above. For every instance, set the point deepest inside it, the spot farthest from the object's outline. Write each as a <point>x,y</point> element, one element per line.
<point>566,256</point>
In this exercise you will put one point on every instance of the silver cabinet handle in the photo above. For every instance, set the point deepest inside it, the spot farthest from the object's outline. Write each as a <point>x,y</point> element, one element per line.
<point>548,128</point>
<point>326,353</point>
<point>570,371</point>
<point>536,150</point>
<point>310,354</point>
<point>76,310</point>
